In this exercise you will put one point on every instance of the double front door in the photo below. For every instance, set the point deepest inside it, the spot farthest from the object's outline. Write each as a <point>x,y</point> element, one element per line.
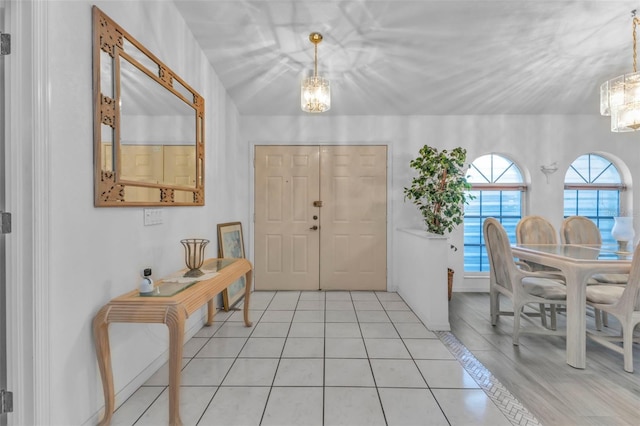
<point>320,217</point>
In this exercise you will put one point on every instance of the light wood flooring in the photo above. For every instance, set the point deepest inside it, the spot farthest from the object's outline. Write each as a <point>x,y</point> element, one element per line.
<point>536,373</point>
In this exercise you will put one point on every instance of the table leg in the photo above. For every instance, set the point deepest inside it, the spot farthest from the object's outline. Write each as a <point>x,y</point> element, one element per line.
<point>103,353</point>
<point>247,295</point>
<point>211,312</point>
<point>576,318</point>
<point>175,320</point>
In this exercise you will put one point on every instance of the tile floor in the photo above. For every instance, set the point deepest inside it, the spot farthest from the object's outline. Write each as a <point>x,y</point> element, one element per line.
<point>317,358</point>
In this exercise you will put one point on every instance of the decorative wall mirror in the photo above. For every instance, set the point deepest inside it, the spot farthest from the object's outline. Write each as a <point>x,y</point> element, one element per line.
<point>148,125</point>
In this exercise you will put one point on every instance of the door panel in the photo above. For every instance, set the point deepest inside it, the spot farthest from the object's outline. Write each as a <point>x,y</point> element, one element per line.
<point>353,246</point>
<point>141,163</point>
<point>286,248</point>
<point>180,169</point>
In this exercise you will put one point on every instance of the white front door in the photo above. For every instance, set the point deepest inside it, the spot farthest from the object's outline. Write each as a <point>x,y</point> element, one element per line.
<point>320,217</point>
<point>353,238</point>
<point>286,243</point>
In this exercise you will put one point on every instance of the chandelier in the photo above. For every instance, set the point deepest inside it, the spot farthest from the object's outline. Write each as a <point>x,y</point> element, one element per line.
<point>620,96</point>
<point>315,94</point>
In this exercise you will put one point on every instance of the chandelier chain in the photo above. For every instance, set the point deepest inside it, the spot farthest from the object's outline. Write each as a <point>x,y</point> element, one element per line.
<point>315,61</point>
<point>635,61</point>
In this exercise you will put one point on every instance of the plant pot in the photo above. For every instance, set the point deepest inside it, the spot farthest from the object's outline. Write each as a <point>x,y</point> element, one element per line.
<point>450,282</point>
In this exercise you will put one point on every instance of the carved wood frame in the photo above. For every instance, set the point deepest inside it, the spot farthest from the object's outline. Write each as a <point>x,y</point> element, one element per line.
<point>109,191</point>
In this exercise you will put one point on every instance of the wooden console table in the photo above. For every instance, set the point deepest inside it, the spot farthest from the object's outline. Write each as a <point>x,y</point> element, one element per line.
<point>173,301</point>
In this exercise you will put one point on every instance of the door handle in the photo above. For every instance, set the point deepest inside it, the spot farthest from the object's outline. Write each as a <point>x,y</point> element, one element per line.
<point>314,228</point>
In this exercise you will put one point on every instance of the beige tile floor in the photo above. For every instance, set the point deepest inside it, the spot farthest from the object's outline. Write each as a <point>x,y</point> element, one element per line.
<point>317,358</point>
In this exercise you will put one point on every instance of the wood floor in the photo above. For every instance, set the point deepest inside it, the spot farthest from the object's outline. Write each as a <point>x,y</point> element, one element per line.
<point>536,373</point>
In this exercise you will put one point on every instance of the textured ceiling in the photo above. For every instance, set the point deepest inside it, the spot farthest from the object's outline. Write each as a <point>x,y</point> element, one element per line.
<point>419,57</point>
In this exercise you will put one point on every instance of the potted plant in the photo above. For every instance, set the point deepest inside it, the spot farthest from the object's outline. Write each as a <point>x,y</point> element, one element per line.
<point>439,190</point>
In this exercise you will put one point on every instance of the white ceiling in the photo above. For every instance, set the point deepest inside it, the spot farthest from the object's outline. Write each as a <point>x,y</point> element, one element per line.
<point>417,57</point>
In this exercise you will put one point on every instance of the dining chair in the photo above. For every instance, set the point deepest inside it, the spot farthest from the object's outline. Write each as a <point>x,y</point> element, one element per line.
<point>520,286</point>
<point>538,230</point>
<point>579,230</point>
<point>623,302</point>
<point>582,230</point>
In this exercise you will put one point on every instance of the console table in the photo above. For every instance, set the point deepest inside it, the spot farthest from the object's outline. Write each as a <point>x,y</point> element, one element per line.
<point>173,300</point>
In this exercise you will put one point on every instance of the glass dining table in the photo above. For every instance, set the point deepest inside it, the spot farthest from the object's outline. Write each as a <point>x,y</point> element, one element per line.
<point>577,263</point>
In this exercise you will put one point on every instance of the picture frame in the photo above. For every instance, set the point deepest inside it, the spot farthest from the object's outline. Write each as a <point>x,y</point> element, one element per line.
<point>231,245</point>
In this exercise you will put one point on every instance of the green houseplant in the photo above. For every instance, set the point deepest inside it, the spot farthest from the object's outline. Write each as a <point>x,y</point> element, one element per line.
<point>440,190</point>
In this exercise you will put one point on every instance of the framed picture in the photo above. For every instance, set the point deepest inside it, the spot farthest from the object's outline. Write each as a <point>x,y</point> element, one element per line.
<point>231,245</point>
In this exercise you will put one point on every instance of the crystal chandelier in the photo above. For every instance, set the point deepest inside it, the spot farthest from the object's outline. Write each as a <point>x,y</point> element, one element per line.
<point>620,96</point>
<point>315,94</point>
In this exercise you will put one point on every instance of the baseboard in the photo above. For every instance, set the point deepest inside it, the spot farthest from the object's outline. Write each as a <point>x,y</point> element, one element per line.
<point>473,284</point>
<point>438,327</point>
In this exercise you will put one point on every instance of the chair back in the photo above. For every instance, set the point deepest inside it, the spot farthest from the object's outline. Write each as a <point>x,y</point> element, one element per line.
<point>499,252</point>
<point>579,230</point>
<point>535,230</point>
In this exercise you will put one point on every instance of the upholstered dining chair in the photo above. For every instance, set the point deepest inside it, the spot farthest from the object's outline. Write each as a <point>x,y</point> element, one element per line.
<point>579,230</point>
<point>538,230</point>
<point>582,230</point>
<point>623,302</point>
<point>520,286</point>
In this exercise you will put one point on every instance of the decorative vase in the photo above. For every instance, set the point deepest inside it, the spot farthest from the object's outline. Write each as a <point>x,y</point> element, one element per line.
<point>623,232</point>
<point>194,255</point>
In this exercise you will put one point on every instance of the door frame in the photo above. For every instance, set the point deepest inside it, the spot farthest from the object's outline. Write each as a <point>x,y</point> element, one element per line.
<point>391,286</point>
<point>27,198</point>
<point>3,240</point>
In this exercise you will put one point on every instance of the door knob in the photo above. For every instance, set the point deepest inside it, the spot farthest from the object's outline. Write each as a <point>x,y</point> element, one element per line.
<point>314,228</point>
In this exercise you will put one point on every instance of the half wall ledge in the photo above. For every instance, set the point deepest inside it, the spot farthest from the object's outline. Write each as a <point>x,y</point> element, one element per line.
<point>421,260</point>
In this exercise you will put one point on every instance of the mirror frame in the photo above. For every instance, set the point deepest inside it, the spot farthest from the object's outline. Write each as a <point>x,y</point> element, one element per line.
<point>109,190</point>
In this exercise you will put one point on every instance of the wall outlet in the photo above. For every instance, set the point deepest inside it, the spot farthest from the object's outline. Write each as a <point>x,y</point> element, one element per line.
<point>153,217</point>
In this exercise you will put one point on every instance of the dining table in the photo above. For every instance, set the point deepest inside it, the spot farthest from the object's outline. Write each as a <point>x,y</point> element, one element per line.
<point>578,263</point>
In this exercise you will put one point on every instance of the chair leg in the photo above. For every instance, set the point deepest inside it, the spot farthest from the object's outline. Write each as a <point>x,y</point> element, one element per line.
<point>597,314</point>
<point>543,315</point>
<point>627,347</point>
<point>517,310</point>
<point>553,316</point>
<point>605,319</point>
<point>494,303</point>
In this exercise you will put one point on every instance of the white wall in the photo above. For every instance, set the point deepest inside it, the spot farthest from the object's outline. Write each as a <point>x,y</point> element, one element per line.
<point>97,253</point>
<point>530,141</point>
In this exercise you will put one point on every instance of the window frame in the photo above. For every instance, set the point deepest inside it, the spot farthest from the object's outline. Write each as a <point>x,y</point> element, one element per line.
<point>598,218</point>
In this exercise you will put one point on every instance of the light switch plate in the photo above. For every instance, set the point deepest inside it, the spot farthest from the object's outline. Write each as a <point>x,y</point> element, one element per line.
<point>152,217</point>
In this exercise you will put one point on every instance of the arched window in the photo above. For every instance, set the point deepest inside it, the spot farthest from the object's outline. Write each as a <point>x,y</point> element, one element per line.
<point>496,183</point>
<point>592,188</point>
